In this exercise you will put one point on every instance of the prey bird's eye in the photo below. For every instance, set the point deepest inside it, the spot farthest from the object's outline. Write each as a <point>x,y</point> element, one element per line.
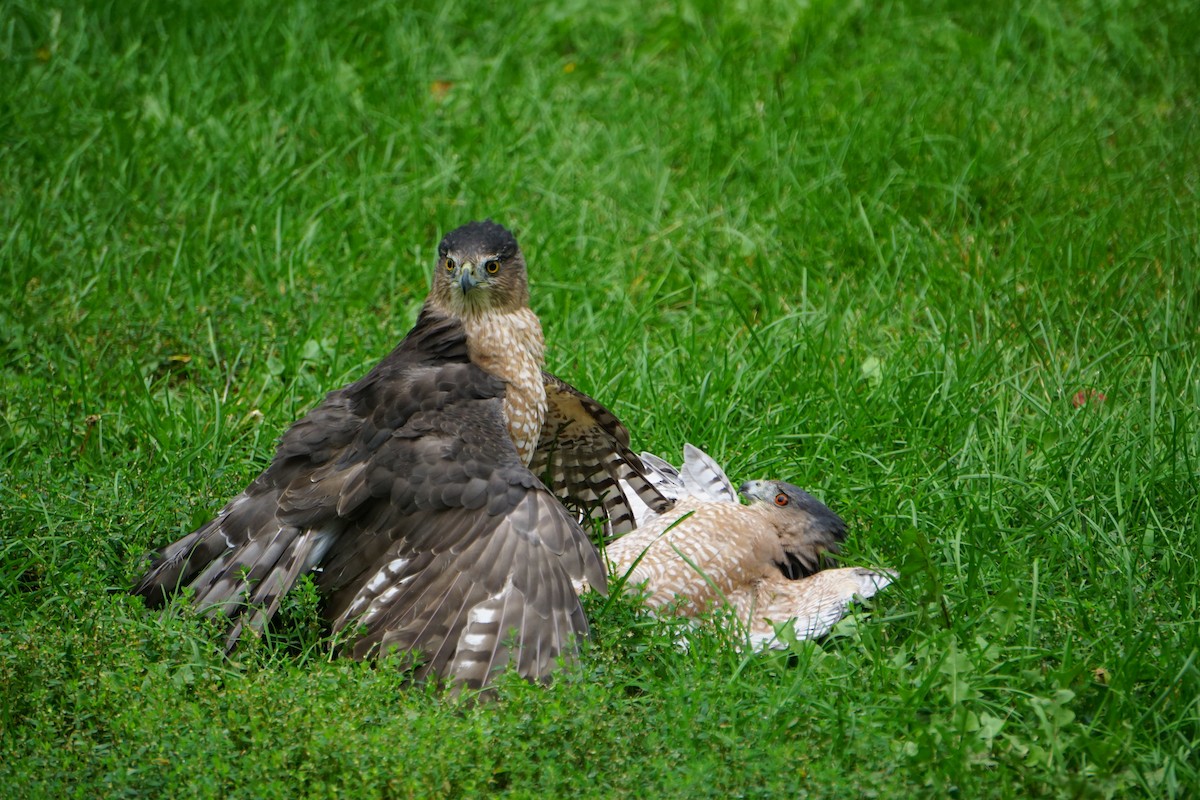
<point>492,267</point>
<point>449,264</point>
<point>781,499</point>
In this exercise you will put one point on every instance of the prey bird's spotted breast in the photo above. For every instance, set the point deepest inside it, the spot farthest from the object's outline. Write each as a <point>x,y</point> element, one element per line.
<point>697,552</point>
<point>765,560</point>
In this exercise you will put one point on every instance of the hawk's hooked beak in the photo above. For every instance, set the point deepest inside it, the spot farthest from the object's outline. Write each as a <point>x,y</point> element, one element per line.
<point>466,277</point>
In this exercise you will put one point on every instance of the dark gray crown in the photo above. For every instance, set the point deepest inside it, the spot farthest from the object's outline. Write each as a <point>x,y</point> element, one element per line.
<point>480,237</point>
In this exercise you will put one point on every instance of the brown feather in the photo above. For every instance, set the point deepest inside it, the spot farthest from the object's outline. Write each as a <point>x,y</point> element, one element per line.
<point>407,493</point>
<point>583,456</point>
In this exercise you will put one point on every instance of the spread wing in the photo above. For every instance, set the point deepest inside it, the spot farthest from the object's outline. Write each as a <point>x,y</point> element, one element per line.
<point>583,456</point>
<point>470,593</point>
<point>811,606</point>
<point>405,492</point>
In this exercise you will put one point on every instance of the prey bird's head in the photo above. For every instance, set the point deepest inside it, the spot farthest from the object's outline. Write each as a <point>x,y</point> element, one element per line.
<point>809,530</point>
<point>480,268</point>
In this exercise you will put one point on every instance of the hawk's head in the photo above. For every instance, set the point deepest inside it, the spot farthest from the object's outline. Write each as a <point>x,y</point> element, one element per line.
<point>480,269</point>
<point>809,530</point>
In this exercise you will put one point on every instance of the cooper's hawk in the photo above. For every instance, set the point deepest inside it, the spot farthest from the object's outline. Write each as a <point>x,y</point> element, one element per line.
<point>409,494</point>
<point>765,560</point>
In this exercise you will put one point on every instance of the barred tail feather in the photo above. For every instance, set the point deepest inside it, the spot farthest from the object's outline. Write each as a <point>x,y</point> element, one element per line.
<point>704,477</point>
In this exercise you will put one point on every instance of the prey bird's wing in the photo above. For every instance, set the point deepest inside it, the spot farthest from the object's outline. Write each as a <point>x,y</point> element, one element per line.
<point>811,605</point>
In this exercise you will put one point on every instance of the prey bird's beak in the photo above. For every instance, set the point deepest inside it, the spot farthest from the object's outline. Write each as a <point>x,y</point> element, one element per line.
<point>466,278</point>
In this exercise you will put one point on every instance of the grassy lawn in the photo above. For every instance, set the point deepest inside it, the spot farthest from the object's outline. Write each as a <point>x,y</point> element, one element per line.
<point>939,263</point>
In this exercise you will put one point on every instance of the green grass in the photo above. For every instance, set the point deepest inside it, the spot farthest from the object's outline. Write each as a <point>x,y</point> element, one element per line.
<point>871,248</point>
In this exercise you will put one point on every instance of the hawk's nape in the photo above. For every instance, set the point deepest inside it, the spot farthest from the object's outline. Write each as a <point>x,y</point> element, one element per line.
<point>407,494</point>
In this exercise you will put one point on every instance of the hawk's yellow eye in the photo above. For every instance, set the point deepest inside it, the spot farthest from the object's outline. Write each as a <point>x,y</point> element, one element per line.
<point>492,267</point>
<point>781,499</point>
<point>449,265</point>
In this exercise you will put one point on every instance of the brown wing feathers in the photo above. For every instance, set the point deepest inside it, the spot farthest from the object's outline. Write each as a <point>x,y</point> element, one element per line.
<point>584,453</point>
<point>304,483</point>
<point>472,596</point>
<point>405,493</point>
<point>406,484</point>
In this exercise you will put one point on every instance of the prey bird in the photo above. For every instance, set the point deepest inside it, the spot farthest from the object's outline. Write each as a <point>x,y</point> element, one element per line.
<point>766,560</point>
<point>409,494</point>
